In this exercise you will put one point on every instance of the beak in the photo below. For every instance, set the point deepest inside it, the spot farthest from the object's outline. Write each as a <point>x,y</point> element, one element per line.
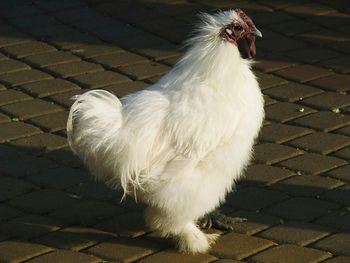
<point>257,33</point>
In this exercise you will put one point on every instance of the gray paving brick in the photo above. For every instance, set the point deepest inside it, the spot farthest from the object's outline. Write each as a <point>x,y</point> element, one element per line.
<point>270,153</point>
<point>338,244</point>
<point>100,79</point>
<point>11,187</point>
<point>11,96</point>
<point>73,69</point>
<point>65,256</point>
<point>15,130</point>
<point>28,48</point>
<point>50,58</point>
<point>11,65</point>
<point>22,77</point>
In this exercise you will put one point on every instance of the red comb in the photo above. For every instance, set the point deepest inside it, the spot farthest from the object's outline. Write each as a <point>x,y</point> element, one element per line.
<point>245,18</point>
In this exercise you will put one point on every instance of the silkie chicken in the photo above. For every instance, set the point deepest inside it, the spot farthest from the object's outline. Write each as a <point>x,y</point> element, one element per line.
<point>179,145</point>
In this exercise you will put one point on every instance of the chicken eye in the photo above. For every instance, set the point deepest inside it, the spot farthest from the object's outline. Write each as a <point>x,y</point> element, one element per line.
<point>238,27</point>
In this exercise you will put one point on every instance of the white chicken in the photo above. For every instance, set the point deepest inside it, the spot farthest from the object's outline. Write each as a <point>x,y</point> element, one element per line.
<point>179,145</point>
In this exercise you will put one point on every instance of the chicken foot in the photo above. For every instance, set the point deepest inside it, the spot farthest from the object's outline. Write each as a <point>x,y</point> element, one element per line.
<point>219,220</point>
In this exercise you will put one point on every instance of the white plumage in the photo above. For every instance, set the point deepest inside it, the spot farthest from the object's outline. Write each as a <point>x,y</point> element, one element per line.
<point>180,144</point>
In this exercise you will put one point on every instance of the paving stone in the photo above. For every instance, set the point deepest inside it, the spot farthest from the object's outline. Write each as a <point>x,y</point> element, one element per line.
<point>345,130</point>
<point>4,118</point>
<point>253,198</point>
<point>51,122</point>
<point>294,27</point>
<point>129,225</point>
<point>312,163</point>
<point>30,226</point>
<point>18,251</point>
<point>267,81</point>
<point>285,111</point>
<point>337,83</point>
<point>7,213</point>
<point>13,37</point>
<point>303,73</point>
<point>39,144</point>
<point>328,101</point>
<point>125,88</point>
<point>339,195</point>
<point>323,37</point>
<point>99,79</point>
<point>270,153</point>
<point>161,51</point>
<point>86,212</point>
<point>62,5</point>
<point>28,48</point>
<point>12,96</point>
<point>238,246</point>
<point>172,256</point>
<point>296,233</point>
<point>11,187</point>
<point>74,238</point>
<point>292,92</point>
<point>283,44</point>
<point>22,77</point>
<point>65,256</point>
<point>64,156</point>
<point>73,69</point>
<point>261,174</point>
<point>290,254</point>
<point>307,185</point>
<point>119,59</point>
<point>34,21</point>
<point>142,71</point>
<point>256,222</point>
<point>301,209</point>
<point>268,101</point>
<point>11,65</point>
<point>321,142</point>
<point>344,153</point>
<point>42,201</point>
<point>65,98</point>
<point>24,9</point>
<point>280,133</point>
<point>90,51</point>
<point>338,244</point>
<point>48,87</point>
<point>50,59</point>
<point>312,54</point>
<point>338,64</point>
<point>94,190</point>
<point>30,109</point>
<point>342,173</point>
<point>340,259</point>
<point>338,220</point>
<point>124,249</point>
<point>323,121</point>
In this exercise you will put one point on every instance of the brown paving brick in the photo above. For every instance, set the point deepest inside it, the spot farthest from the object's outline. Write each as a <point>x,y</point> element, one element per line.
<point>279,133</point>
<point>86,212</point>
<point>345,130</point>
<point>161,51</point>
<point>15,130</point>
<point>172,256</point>
<point>11,96</point>
<point>312,54</point>
<point>38,144</point>
<point>267,81</point>
<point>253,198</point>
<point>296,233</point>
<point>344,153</point>
<point>256,222</point>
<point>11,65</point>
<point>261,174</point>
<point>338,220</point>
<point>126,88</point>
<point>65,98</point>
<point>340,259</point>
<point>321,142</point>
<point>323,121</point>
<point>124,249</point>
<point>328,101</point>
<point>342,173</point>
<point>171,61</point>
<point>49,87</point>
<point>294,27</point>
<point>65,256</point>
<point>29,109</point>
<point>292,92</point>
<point>100,79</point>
<point>338,83</point>
<point>312,163</point>
<point>7,213</point>
<point>130,224</point>
<point>339,64</point>
<point>34,21</point>
<point>307,185</point>
<point>51,58</point>
<point>270,153</point>
<point>338,244</point>
<point>22,77</point>
<point>323,37</point>
<point>18,251</point>
<point>42,201</point>
<point>290,254</point>
<point>268,101</point>
<point>74,238</point>
<point>273,63</point>
<point>315,9</point>
<point>64,156</point>
<point>301,208</point>
<point>73,69</point>
<point>28,48</point>
<point>4,118</point>
<point>59,178</point>
<point>282,44</point>
<point>142,71</point>
<point>94,190</point>
<point>342,47</point>
<point>285,111</point>
<point>30,226</point>
<point>303,73</point>
<point>90,51</point>
<point>340,195</point>
<point>13,37</point>
<point>2,56</point>
<point>119,59</point>
<point>11,187</point>
<point>51,122</point>
<point>238,246</point>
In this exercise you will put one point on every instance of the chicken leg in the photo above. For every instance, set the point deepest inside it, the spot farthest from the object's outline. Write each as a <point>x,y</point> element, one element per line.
<point>219,220</point>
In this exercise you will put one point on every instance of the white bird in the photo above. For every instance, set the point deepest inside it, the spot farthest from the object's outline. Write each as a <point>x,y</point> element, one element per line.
<point>179,145</point>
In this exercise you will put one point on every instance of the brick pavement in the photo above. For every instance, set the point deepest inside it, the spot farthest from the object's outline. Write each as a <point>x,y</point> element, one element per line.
<point>296,194</point>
